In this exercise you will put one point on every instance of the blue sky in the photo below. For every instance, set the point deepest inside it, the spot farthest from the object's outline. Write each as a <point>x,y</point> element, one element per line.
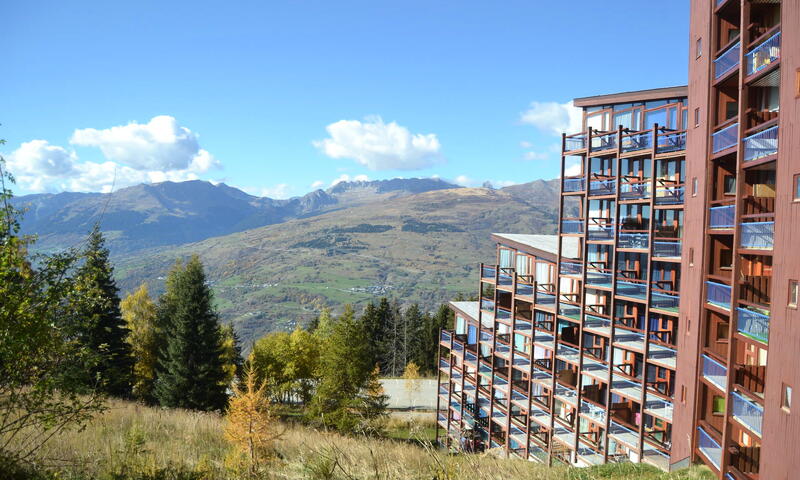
<point>277,97</point>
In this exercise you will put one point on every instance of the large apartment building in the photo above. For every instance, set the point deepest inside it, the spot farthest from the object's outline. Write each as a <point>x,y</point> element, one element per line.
<point>568,356</point>
<point>740,329</point>
<point>661,324</point>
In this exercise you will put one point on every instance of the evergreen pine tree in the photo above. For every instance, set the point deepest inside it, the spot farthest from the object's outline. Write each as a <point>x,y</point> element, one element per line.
<point>191,373</point>
<point>103,329</point>
<point>413,325</point>
<point>232,360</point>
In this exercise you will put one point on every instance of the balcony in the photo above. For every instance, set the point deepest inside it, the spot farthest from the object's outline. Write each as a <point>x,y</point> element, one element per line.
<point>571,268</point>
<point>567,395</point>
<point>567,353</point>
<point>572,227</point>
<point>758,235</point>
<point>669,195</point>
<point>727,61</point>
<point>658,407</point>
<point>574,184</point>
<point>764,55</point>
<point>634,190</point>
<point>753,324</point>
<point>598,278</point>
<point>444,364</point>
<point>545,299</point>
<point>628,339</point>
<point>709,447</point>
<point>666,249</point>
<point>603,187</point>
<point>671,142</point>
<point>725,138</point>
<point>576,141</point>
<point>639,241</point>
<point>488,272</point>
<point>665,301</point>
<point>718,294</point>
<point>445,337</point>
<point>597,325</point>
<point>761,144</point>
<point>607,141</point>
<point>663,356</point>
<point>570,311</point>
<point>503,314</point>
<point>747,412</point>
<point>633,142</point>
<point>595,412</point>
<point>624,435</point>
<point>721,217</point>
<point>715,372</point>
<point>487,305</point>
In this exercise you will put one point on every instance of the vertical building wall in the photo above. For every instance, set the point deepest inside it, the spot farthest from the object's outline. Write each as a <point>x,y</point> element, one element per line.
<point>695,202</point>
<point>779,460</point>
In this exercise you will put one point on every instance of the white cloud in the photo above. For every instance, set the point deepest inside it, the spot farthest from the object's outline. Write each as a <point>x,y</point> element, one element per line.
<point>464,181</point>
<point>572,170</point>
<point>160,144</point>
<point>154,152</point>
<point>504,183</point>
<point>552,117</point>
<point>279,191</point>
<point>380,146</point>
<point>525,144</point>
<point>535,156</point>
<point>317,184</point>
<point>347,178</point>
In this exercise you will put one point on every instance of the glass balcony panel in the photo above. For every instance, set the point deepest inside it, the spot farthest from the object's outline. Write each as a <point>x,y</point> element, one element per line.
<point>444,364</point>
<point>632,290</point>
<point>524,289</point>
<point>599,325</point>
<point>503,314</point>
<point>715,372</point>
<point>566,395</point>
<point>634,240</point>
<point>445,336</point>
<point>606,141</point>
<point>663,356</point>
<point>665,301</point>
<point>725,138</point>
<point>637,141</point>
<point>571,268</point>
<point>667,249</point>
<point>575,142</point>
<point>722,217</point>
<point>718,294</point>
<point>629,339</point>
<point>486,336</point>
<point>671,142</point>
<point>488,272</point>
<point>569,311</point>
<point>761,144</point>
<point>624,435</point>
<point>523,325</point>
<point>596,413</point>
<point>572,226</point>
<point>669,195</point>
<point>659,407</point>
<point>565,352</point>
<point>595,369</point>
<point>487,305</point>
<point>753,324</point>
<point>709,447</point>
<point>727,61</point>
<point>747,412</point>
<point>574,184</point>
<point>600,233</point>
<point>602,187</point>
<point>545,299</point>
<point>599,279</point>
<point>635,190</point>
<point>758,235</point>
<point>764,55</point>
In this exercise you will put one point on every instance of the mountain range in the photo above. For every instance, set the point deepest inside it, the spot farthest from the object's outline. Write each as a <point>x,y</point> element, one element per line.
<point>275,263</point>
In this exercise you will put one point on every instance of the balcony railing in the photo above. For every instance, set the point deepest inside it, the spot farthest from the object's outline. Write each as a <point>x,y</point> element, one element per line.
<point>725,138</point>
<point>571,268</point>
<point>634,240</point>
<point>488,272</point>
<point>503,314</point>
<point>575,142</point>
<point>709,447</point>
<point>545,298</point>
<point>572,226</point>
<point>634,190</point>
<point>758,235</point>
<point>721,217</point>
<point>748,412</point>
<point>715,372</point>
<point>445,337</point>
<point>574,184</point>
<point>761,144</point>
<point>665,301</point>
<point>487,305</point>
<point>602,187</point>
<point>669,195</point>
<point>727,60</point>
<point>667,249</point>
<point>444,364</point>
<point>764,55</point>
<point>569,311</point>
<point>606,141</point>
<point>718,294</point>
<point>637,141</point>
<point>671,142</point>
<point>599,278</point>
<point>753,324</point>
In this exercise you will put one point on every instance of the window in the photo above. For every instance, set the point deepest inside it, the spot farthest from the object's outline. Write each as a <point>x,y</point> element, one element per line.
<point>718,405</point>
<point>726,259</point>
<point>797,188</point>
<point>697,117</point>
<point>694,187</point>
<point>729,184</point>
<point>786,398</point>
<point>794,293</point>
<point>698,48</point>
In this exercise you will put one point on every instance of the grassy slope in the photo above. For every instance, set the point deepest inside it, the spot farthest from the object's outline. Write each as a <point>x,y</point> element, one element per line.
<point>270,277</point>
<point>136,442</point>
